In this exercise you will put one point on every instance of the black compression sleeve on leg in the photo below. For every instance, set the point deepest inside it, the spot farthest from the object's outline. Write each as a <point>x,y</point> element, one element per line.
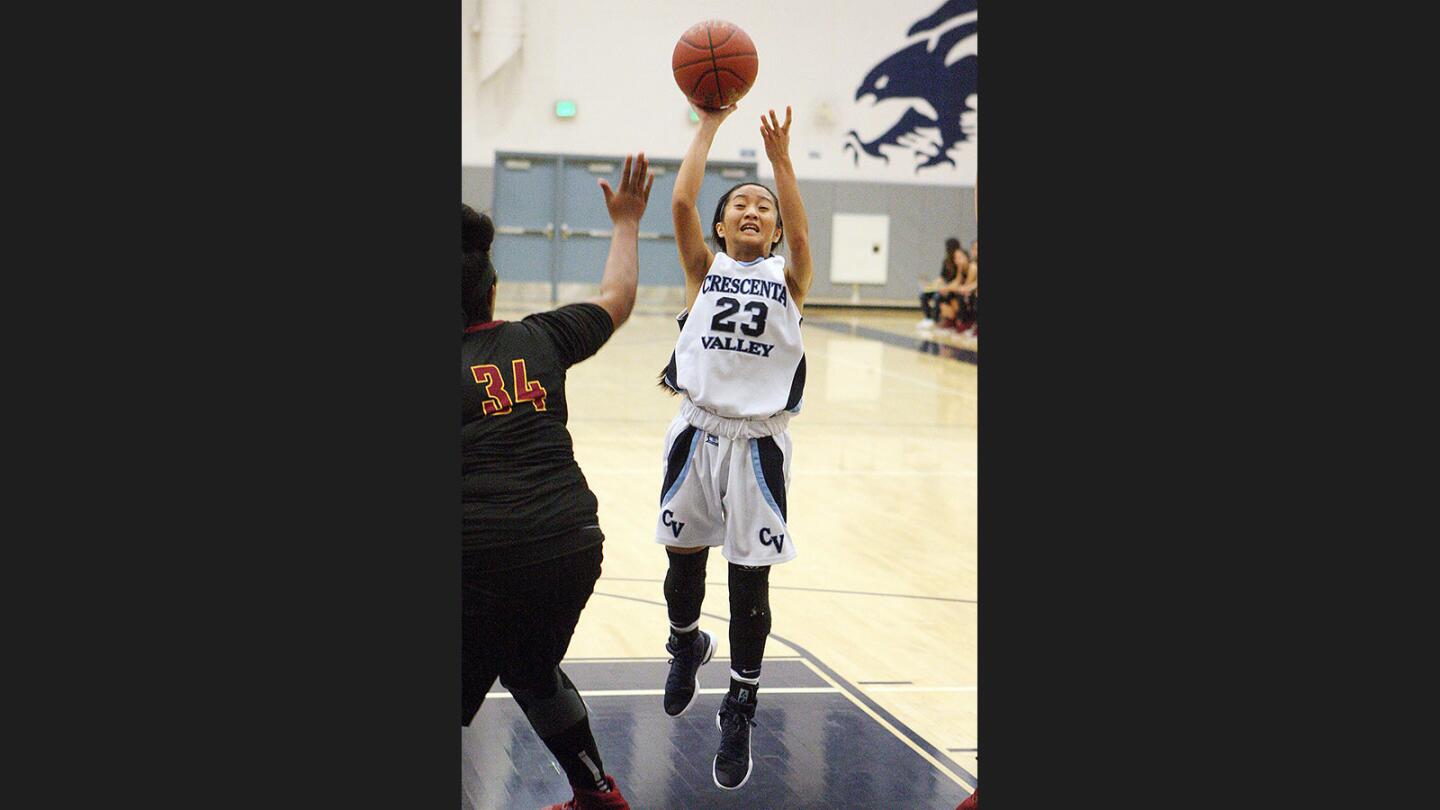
<point>749,618</point>
<point>557,713</point>
<point>684,592</point>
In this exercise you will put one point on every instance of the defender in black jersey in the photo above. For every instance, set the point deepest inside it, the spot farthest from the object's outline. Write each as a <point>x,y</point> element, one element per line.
<point>530,539</point>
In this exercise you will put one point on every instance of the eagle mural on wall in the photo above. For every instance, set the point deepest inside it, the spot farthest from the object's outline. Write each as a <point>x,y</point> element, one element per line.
<point>920,72</point>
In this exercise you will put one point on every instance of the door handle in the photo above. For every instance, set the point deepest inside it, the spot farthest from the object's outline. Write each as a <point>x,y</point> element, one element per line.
<point>590,232</point>
<point>567,232</point>
<point>514,230</point>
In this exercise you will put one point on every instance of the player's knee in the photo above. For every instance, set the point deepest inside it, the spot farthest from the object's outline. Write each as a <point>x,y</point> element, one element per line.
<point>552,707</point>
<point>530,687</point>
<point>750,598</point>
<point>686,570</point>
<point>688,557</point>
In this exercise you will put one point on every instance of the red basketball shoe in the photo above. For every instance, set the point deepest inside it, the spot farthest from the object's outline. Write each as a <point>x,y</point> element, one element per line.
<point>595,800</point>
<point>972,802</point>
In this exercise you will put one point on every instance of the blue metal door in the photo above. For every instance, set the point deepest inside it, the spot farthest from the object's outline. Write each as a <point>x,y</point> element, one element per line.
<point>552,226</point>
<point>526,188</point>
<point>659,263</point>
<point>584,224</point>
<point>585,227</point>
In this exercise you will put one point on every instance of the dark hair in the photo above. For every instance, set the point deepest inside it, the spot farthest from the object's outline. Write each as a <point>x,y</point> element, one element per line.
<point>476,230</point>
<point>949,269</point>
<point>720,216</point>
<point>477,274</point>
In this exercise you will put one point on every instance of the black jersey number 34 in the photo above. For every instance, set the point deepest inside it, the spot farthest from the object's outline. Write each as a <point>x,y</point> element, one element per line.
<point>498,401</point>
<point>729,307</point>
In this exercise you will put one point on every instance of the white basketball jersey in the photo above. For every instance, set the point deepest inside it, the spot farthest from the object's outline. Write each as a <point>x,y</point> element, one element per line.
<point>739,354</point>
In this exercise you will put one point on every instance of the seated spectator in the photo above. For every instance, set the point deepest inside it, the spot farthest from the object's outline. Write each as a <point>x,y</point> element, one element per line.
<point>933,291</point>
<point>970,297</point>
<point>953,294</point>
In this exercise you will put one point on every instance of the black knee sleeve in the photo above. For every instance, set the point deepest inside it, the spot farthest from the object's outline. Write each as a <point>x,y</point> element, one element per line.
<point>552,704</point>
<point>749,618</point>
<point>557,713</point>
<point>685,588</point>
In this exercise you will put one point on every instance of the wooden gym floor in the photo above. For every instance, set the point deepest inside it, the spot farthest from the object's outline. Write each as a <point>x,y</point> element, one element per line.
<point>868,693</point>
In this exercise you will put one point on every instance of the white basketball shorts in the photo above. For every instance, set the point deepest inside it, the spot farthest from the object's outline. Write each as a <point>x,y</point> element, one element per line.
<point>726,492</point>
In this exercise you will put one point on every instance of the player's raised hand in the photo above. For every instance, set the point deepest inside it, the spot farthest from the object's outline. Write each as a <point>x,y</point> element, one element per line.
<point>712,118</point>
<point>776,136</point>
<point>628,203</point>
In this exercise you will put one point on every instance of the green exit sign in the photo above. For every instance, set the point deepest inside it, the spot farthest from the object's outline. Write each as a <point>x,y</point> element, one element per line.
<point>564,109</point>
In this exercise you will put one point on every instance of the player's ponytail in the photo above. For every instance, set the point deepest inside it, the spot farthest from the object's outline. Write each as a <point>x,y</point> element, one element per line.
<point>476,231</point>
<point>477,274</point>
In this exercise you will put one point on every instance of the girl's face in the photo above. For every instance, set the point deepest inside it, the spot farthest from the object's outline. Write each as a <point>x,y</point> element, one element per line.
<point>748,225</point>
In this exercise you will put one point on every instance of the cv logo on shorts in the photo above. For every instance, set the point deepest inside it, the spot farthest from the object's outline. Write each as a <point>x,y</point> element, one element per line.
<point>667,517</point>
<point>712,440</point>
<point>776,540</point>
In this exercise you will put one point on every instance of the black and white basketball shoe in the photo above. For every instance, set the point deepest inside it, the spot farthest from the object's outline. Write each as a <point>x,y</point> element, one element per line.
<point>683,682</point>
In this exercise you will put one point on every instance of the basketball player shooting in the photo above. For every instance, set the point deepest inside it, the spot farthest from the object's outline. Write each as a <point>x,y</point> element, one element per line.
<point>739,365</point>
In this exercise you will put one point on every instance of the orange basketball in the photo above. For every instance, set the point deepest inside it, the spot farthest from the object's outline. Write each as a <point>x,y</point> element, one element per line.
<point>714,63</point>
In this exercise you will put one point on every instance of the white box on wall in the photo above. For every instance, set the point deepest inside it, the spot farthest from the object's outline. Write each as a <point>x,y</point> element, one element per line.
<point>859,248</point>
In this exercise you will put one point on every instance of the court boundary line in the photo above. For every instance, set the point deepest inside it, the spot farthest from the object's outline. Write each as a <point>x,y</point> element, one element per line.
<point>818,590</point>
<point>706,690</point>
<point>921,746</point>
<point>887,721</point>
<point>880,336</point>
<point>725,690</point>
<point>874,715</point>
<point>640,659</point>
